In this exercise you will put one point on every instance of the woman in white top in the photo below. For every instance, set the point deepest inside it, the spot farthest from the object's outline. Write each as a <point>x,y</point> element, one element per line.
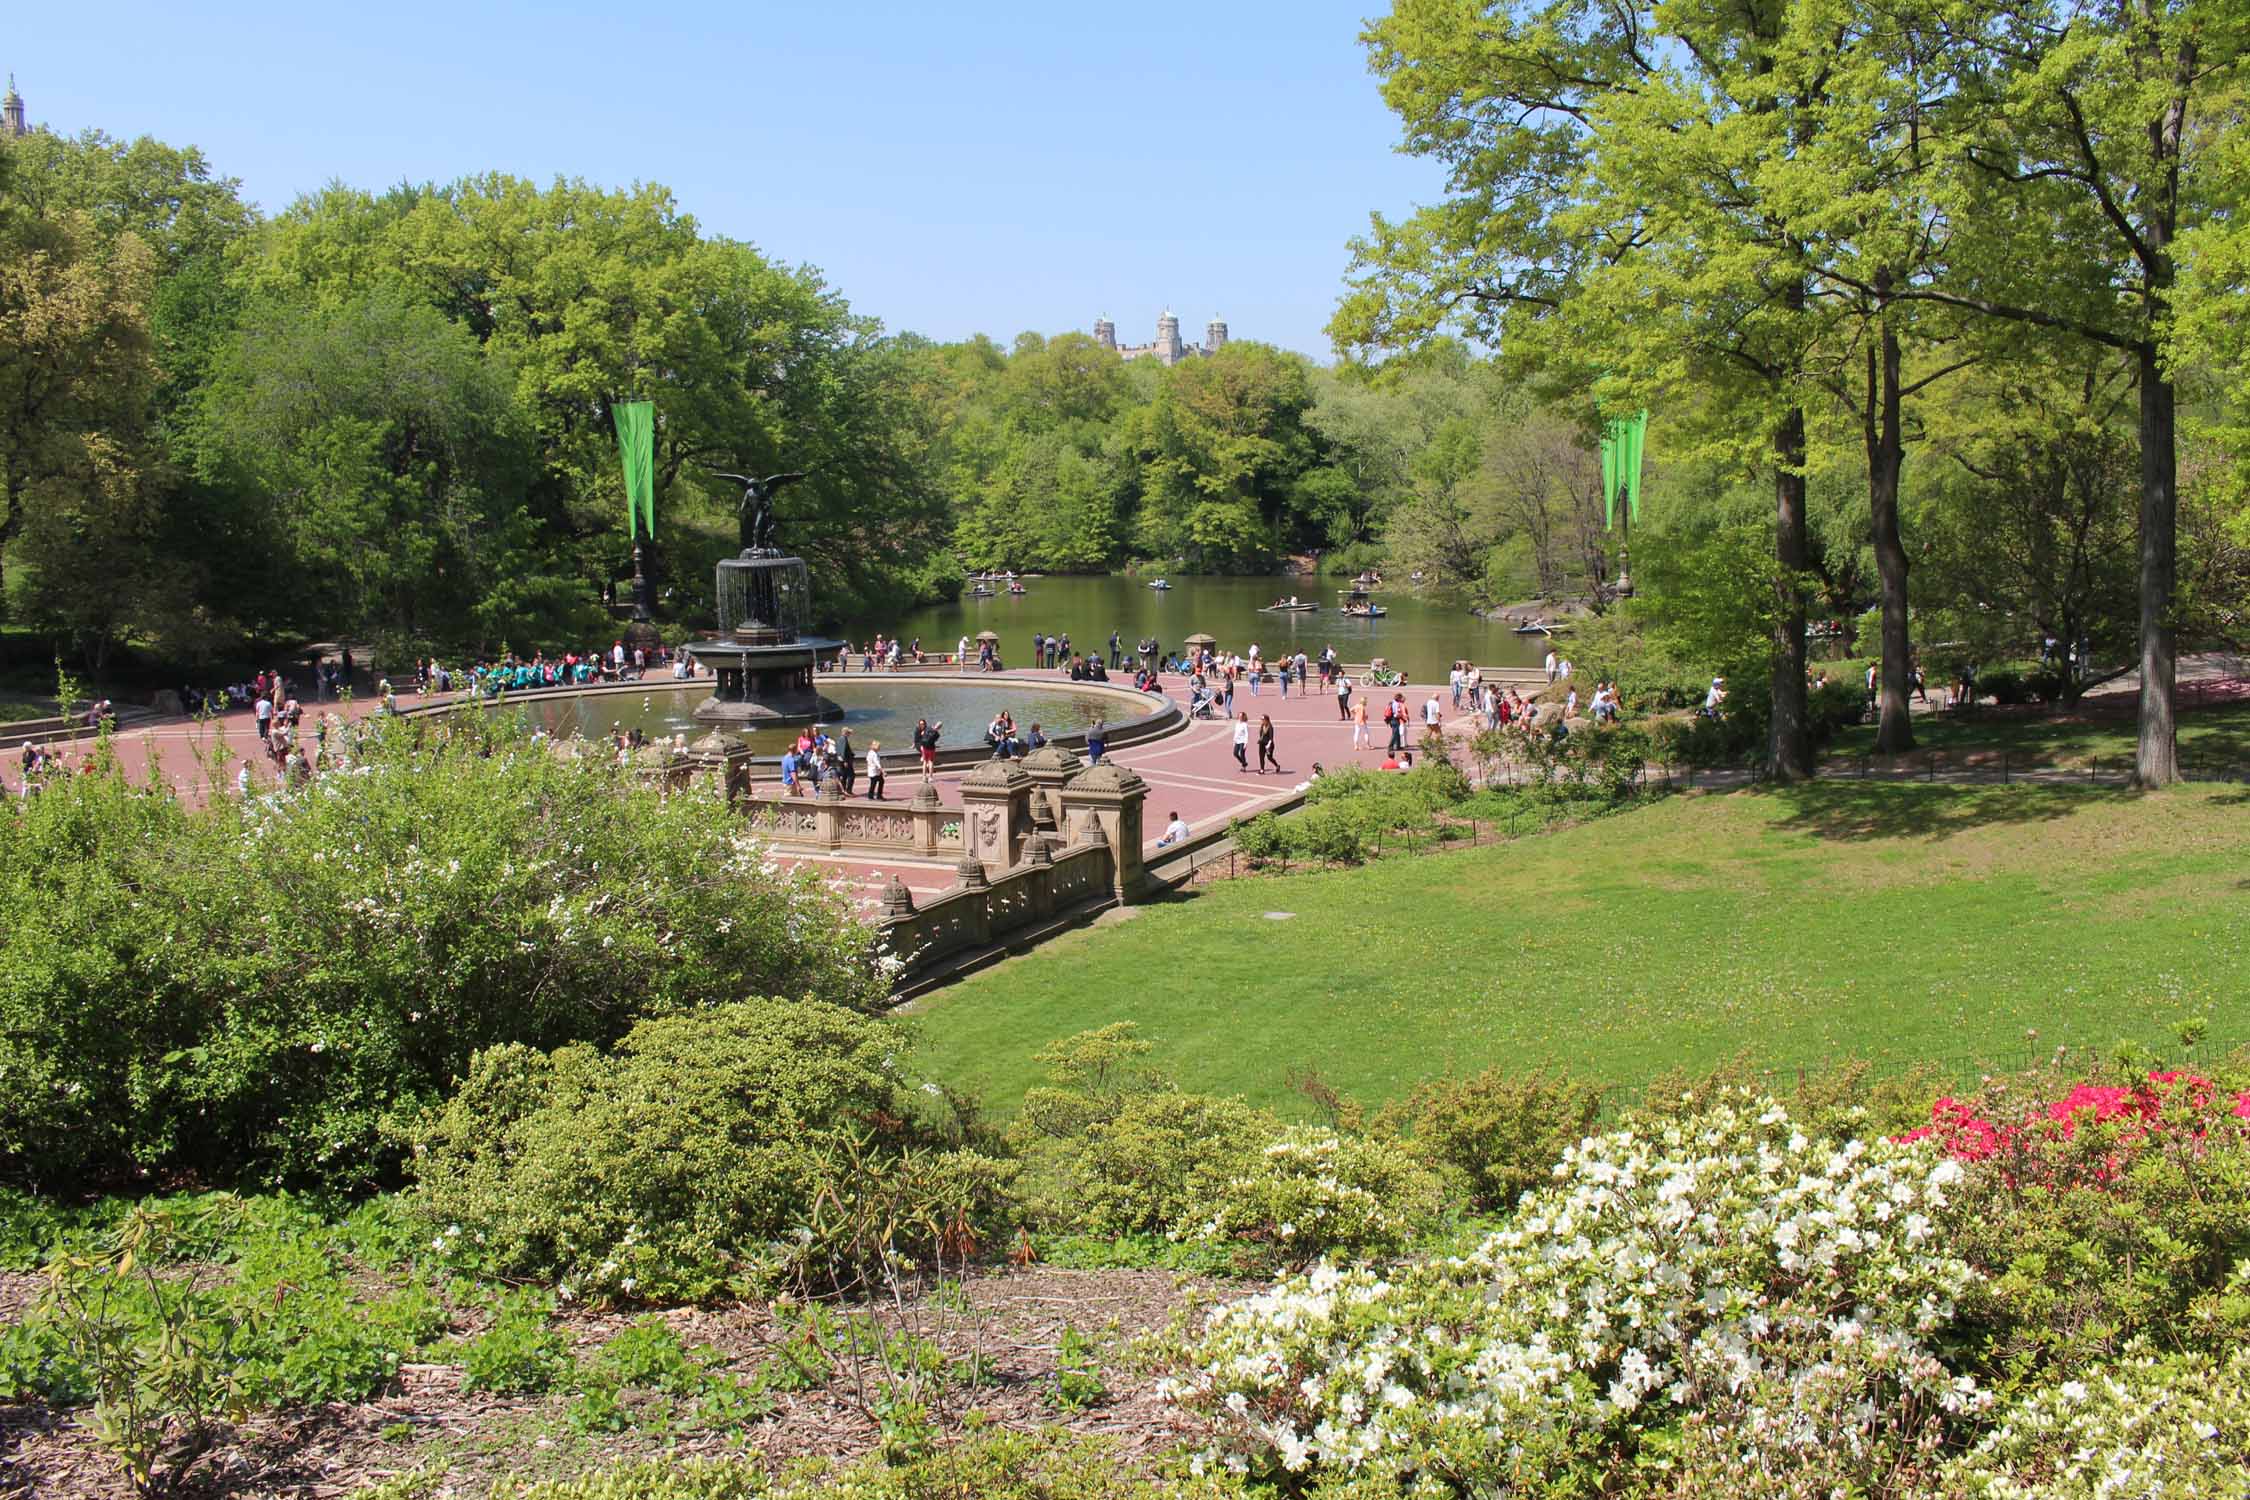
<point>874,771</point>
<point>1241,743</point>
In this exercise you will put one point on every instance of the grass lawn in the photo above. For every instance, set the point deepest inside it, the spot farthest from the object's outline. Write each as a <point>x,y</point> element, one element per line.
<point>1794,926</point>
<point>2103,729</point>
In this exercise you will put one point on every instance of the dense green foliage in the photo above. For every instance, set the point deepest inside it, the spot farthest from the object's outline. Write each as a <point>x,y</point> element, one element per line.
<point>268,991</point>
<point>683,1162</point>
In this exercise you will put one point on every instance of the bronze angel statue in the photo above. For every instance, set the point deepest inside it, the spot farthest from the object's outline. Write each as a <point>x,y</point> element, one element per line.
<point>759,523</point>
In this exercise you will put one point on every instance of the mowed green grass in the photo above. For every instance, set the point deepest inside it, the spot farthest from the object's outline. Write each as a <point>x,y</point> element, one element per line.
<point>1793,927</point>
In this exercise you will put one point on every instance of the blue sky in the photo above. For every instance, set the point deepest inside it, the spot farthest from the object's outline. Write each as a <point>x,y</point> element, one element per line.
<point>953,169</point>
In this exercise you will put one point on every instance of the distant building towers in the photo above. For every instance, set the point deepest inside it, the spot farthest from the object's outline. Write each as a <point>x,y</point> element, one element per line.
<point>11,112</point>
<point>1168,349</point>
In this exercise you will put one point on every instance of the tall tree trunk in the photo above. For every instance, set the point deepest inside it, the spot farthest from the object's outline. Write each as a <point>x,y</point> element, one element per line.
<point>1789,755</point>
<point>1886,455</point>
<point>2156,761</point>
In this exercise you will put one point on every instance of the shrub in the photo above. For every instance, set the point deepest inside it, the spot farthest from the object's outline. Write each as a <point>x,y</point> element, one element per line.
<point>1308,1194</point>
<point>1777,1296</point>
<point>254,992</point>
<point>1495,1136</point>
<point>157,1353</point>
<point>1693,742</point>
<point>671,1167</point>
<point>2148,1425</point>
<point>1139,1171</point>
<point>2114,1214</point>
<point>1834,707</point>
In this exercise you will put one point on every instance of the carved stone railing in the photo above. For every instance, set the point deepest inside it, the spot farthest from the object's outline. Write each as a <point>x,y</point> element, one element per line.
<point>982,910</point>
<point>835,824</point>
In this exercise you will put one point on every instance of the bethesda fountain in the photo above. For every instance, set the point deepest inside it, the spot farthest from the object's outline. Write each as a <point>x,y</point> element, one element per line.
<point>762,661</point>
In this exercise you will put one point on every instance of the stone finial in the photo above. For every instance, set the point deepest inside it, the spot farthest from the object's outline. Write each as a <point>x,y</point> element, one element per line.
<point>898,901</point>
<point>972,873</point>
<point>926,795</point>
<point>1053,758</point>
<point>1109,776</point>
<point>1005,774</point>
<point>1036,851</point>
<point>831,790</point>
<point>715,746</point>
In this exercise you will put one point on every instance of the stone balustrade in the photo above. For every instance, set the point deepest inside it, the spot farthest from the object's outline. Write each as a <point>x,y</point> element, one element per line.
<point>982,910</point>
<point>834,824</point>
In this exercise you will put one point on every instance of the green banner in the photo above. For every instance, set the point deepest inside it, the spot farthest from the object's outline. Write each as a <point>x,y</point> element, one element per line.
<point>1621,466</point>
<point>636,442</point>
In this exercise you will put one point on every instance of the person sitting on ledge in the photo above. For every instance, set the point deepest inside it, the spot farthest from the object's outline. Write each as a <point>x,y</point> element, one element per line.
<point>1174,832</point>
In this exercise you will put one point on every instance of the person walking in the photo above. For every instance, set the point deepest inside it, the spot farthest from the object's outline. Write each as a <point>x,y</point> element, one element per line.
<point>1116,656</point>
<point>1241,743</point>
<point>874,770</point>
<point>1395,714</point>
<point>1343,696</point>
<point>1432,714</point>
<point>1285,677</point>
<point>1358,716</point>
<point>1553,662</point>
<point>847,763</point>
<point>1266,757</point>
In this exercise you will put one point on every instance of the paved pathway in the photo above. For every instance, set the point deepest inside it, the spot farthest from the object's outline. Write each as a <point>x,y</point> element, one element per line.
<point>1191,772</point>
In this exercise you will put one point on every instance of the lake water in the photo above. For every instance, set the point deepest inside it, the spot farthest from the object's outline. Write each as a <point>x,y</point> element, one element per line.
<point>877,708</point>
<point>1420,638</point>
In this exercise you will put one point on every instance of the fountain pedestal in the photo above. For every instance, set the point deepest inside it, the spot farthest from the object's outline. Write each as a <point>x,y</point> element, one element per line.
<point>762,666</point>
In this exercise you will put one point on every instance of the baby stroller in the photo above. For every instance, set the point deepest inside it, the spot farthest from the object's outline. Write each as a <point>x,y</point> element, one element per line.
<point>1202,705</point>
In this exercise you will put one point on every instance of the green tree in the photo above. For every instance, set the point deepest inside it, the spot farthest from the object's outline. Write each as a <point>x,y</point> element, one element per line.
<point>391,453</point>
<point>2082,136</point>
<point>1607,224</point>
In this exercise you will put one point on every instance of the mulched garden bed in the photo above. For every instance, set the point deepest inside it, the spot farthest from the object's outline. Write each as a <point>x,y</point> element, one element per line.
<point>1014,1319</point>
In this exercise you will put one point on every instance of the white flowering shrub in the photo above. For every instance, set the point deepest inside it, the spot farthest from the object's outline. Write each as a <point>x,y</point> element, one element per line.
<point>2147,1427</point>
<point>1723,1275</point>
<point>1308,1194</point>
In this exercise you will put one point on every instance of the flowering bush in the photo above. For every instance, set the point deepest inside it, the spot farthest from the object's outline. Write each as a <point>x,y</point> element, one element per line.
<point>1783,1292</point>
<point>2147,1426</point>
<point>2139,1111</point>
<point>1311,1193</point>
<point>2112,1214</point>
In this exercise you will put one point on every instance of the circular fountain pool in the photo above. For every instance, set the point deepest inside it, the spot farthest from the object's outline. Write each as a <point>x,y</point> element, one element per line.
<point>875,708</point>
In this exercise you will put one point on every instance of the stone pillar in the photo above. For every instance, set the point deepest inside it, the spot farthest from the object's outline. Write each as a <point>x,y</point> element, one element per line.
<point>996,813</point>
<point>1111,795</point>
<point>722,762</point>
<point>1041,866</point>
<point>929,815</point>
<point>975,890</point>
<point>1049,767</point>
<point>828,813</point>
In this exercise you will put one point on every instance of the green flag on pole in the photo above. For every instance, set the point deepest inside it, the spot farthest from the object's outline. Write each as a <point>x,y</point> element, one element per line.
<point>1621,466</point>
<point>636,442</point>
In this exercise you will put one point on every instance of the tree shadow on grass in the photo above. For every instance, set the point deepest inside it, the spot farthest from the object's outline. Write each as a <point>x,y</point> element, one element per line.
<point>1869,810</point>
